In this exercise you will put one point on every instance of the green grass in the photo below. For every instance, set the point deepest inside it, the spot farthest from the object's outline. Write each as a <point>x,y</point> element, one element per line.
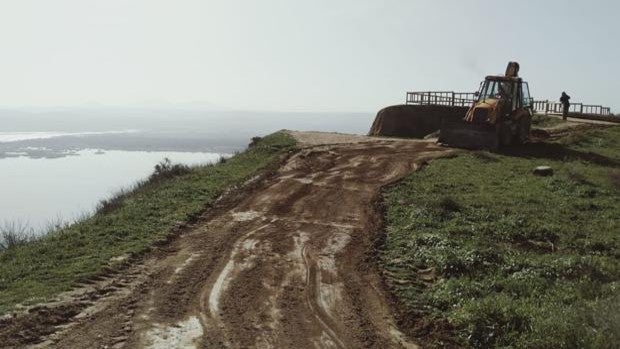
<point>35,271</point>
<point>482,253</point>
<point>541,120</point>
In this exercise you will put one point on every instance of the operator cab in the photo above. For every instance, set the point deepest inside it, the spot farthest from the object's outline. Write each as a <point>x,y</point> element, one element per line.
<point>505,89</point>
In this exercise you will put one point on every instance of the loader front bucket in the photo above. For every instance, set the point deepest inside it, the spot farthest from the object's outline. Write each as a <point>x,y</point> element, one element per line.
<point>461,134</point>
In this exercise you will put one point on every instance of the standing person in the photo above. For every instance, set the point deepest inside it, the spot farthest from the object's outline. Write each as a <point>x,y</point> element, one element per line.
<point>565,99</point>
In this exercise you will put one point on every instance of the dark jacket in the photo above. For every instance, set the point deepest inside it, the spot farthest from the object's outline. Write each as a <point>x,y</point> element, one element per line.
<point>565,99</point>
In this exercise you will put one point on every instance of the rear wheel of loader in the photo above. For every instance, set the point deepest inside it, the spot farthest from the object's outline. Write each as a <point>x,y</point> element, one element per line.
<point>523,131</point>
<point>505,134</point>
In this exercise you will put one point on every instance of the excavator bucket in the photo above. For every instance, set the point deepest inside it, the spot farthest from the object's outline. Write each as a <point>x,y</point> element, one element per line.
<point>461,134</point>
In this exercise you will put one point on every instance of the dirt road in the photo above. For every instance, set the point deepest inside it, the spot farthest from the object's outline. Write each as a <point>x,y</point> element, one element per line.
<point>288,263</point>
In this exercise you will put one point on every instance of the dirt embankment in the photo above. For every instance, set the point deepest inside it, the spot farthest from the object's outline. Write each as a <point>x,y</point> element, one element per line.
<point>287,263</point>
<point>413,120</point>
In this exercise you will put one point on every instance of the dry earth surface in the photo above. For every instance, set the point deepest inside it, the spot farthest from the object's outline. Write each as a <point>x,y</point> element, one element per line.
<point>285,263</point>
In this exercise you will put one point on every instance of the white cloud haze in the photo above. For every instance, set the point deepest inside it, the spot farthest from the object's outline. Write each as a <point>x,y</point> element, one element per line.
<point>299,55</point>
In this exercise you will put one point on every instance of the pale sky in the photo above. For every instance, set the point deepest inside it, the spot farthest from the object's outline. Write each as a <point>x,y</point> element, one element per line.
<point>311,55</point>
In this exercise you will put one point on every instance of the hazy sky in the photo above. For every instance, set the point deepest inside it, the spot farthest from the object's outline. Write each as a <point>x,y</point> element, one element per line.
<point>300,54</point>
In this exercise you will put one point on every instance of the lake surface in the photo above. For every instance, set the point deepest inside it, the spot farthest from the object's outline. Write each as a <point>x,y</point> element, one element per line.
<point>39,191</point>
<point>57,165</point>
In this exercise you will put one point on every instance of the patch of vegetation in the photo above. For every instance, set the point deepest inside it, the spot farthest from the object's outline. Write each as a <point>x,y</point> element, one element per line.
<point>127,224</point>
<point>484,254</point>
<point>163,171</point>
<point>14,234</point>
<point>543,121</point>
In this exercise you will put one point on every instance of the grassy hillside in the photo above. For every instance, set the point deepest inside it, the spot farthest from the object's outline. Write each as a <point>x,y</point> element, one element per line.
<point>541,120</point>
<point>34,271</point>
<point>482,253</point>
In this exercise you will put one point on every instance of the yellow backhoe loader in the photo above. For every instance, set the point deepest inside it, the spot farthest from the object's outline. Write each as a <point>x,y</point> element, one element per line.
<point>500,116</point>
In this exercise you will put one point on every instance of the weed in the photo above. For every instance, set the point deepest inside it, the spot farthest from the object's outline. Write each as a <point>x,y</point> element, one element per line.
<point>15,234</point>
<point>166,169</point>
<point>485,156</point>
<point>163,171</point>
<point>541,120</point>
<point>614,178</point>
<point>524,261</point>
<point>448,205</point>
<point>128,223</point>
<point>115,201</point>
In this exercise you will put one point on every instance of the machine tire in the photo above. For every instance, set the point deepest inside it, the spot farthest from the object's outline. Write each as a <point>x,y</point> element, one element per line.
<point>522,135</point>
<point>505,135</point>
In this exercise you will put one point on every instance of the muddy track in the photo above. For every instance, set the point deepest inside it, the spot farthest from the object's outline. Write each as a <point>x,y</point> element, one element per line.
<point>288,264</point>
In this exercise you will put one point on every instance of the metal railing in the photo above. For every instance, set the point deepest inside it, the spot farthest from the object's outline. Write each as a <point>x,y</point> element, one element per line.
<point>447,98</point>
<point>466,99</point>
<point>547,107</point>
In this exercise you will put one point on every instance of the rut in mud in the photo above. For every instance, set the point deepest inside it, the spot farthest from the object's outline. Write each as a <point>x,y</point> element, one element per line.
<point>285,266</point>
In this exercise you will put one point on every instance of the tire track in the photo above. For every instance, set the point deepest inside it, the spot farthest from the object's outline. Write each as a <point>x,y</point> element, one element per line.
<point>311,299</point>
<point>284,266</point>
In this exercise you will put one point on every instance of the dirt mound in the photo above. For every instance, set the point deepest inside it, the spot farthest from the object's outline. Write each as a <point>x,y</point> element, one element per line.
<point>414,121</point>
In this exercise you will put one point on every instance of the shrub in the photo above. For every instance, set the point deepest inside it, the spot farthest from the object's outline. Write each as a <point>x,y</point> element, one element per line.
<point>163,170</point>
<point>166,169</point>
<point>447,206</point>
<point>115,201</point>
<point>14,234</point>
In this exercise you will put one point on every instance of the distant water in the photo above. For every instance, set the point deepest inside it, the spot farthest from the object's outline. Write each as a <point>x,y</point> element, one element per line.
<point>37,191</point>
<point>61,163</point>
<point>6,137</point>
